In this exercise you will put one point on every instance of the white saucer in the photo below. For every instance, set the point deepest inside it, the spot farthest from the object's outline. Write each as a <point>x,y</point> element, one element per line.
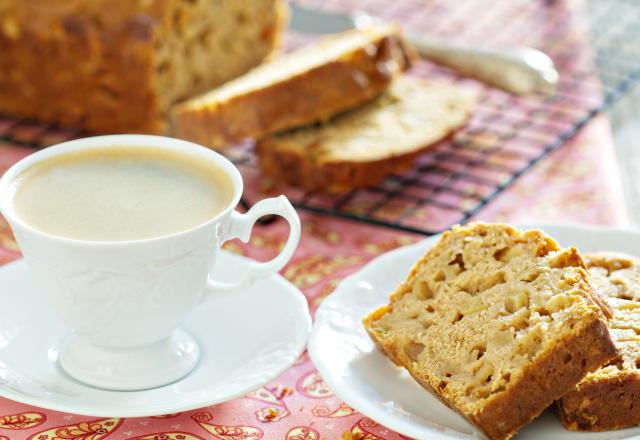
<point>246,339</point>
<point>367,381</point>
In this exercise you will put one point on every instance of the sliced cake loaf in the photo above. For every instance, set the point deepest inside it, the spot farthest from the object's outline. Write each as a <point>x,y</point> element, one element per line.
<point>497,323</point>
<point>609,398</point>
<point>119,65</point>
<point>362,146</point>
<point>307,85</point>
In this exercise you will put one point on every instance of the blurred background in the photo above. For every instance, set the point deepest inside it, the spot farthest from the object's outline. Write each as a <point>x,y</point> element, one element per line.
<point>482,170</point>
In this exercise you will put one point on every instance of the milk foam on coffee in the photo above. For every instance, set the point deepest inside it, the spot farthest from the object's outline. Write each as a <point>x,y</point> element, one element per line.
<point>120,193</point>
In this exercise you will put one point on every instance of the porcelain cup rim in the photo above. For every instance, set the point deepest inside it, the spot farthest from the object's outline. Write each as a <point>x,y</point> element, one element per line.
<point>106,141</point>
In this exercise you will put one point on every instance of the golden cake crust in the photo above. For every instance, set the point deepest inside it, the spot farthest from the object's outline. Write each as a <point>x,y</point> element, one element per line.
<point>558,326</point>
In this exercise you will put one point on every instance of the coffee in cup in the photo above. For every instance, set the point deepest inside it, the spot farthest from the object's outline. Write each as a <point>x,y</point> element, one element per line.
<point>120,193</point>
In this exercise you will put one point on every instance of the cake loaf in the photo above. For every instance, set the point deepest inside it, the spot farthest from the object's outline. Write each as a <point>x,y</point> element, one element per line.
<point>310,84</point>
<point>609,397</point>
<point>497,323</point>
<point>119,65</point>
<point>363,146</point>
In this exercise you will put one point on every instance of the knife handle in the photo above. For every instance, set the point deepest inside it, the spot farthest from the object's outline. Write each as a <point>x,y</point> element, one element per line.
<point>519,70</point>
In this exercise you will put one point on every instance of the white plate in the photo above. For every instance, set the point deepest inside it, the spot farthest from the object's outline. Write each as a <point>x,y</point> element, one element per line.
<point>246,339</point>
<point>366,380</point>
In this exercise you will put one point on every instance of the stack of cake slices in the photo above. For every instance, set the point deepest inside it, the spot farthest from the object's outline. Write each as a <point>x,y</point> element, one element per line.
<point>500,323</point>
<point>332,116</point>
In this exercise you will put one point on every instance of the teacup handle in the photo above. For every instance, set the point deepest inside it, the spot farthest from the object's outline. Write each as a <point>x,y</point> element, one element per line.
<point>240,226</point>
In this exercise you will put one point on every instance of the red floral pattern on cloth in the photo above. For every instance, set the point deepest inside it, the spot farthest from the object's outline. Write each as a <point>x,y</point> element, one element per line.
<point>302,433</point>
<point>227,432</point>
<point>169,436</point>
<point>22,421</point>
<point>85,430</point>
<point>578,183</point>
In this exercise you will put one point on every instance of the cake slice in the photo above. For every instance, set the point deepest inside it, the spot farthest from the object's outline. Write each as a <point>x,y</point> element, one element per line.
<point>307,85</point>
<point>609,398</point>
<point>497,323</point>
<point>363,146</point>
<point>615,275</point>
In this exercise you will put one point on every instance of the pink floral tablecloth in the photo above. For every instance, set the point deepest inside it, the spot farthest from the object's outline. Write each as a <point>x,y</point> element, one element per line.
<point>578,183</point>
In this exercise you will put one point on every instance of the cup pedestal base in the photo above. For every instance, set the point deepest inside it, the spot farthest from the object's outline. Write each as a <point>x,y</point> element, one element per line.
<point>130,369</point>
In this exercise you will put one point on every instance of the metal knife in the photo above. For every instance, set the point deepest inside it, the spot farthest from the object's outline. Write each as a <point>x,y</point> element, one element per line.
<point>518,70</point>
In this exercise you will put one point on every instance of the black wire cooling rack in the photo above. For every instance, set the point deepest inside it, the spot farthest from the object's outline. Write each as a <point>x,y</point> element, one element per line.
<point>595,45</point>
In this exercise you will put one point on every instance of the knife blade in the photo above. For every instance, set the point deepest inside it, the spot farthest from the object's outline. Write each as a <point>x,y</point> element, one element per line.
<point>316,21</point>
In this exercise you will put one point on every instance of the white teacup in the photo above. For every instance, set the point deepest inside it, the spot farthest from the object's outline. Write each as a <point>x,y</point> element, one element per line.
<point>125,300</point>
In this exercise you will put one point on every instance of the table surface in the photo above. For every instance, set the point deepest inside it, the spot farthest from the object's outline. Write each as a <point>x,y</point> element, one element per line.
<point>579,182</point>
